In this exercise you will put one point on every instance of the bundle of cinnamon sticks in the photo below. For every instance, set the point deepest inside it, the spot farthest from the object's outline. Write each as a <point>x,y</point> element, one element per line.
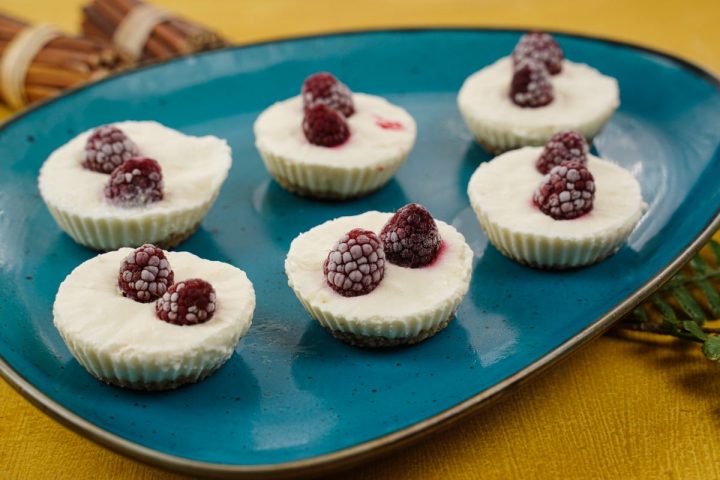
<point>64,61</point>
<point>167,35</point>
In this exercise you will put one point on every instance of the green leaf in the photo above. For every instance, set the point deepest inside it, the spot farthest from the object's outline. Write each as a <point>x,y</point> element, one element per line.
<point>640,314</point>
<point>695,329</point>
<point>711,348</point>
<point>688,304</point>
<point>667,312</point>
<point>700,264</point>
<point>715,248</point>
<point>711,295</point>
<point>690,295</point>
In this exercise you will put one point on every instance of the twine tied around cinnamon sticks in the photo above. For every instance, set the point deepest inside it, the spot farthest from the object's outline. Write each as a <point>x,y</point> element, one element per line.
<point>16,60</point>
<point>144,32</point>
<point>37,62</point>
<point>135,29</point>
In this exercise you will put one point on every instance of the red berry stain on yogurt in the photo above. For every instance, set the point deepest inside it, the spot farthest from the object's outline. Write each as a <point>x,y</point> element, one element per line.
<point>388,124</point>
<point>440,253</point>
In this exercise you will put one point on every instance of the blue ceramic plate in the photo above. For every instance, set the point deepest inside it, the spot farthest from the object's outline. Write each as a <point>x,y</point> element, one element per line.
<point>293,400</point>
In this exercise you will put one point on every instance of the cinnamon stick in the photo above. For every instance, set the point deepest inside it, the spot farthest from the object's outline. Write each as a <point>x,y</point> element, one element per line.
<point>98,74</point>
<point>78,61</point>
<point>109,11</point>
<point>40,92</point>
<point>93,32</point>
<point>74,66</point>
<point>158,50</point>
<point>11,28</point>
<point>7,34</point>
<point>103,25</point>
<point>54,76</point>
<point>76,43</point>
<point>186,28</point>
<point>169,35</point>
<point>10,21</point>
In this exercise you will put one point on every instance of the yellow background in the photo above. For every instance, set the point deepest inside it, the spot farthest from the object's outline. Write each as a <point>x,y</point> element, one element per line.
<point>615,409</point>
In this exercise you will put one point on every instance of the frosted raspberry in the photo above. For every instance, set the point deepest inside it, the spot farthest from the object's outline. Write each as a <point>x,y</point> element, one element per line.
<point>562,147</point>
<point>531,85</point>
<point>324,89</point>
<point>136,182</point>
<point>567,192</point>
<point>145,274</point>
<point>356,264</point>
<point>187,303</point>
<point>107,148</point>
<point>324,126</point>
<point>411,237</point>
<point>542,47</point>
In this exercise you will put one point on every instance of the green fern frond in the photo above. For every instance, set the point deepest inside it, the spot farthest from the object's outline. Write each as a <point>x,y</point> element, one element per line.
<point>682,306</point>
<point>692,294</point>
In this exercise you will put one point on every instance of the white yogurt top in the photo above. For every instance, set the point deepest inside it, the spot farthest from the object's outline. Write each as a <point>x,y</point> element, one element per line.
<point>193,169</point>
<point>582,95</point>
<point>90,309</point>
<point>402,294</point>
<point>503,188</point>
<point>278,130</point>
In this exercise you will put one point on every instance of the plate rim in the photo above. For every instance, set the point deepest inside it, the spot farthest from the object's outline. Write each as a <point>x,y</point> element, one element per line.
<point>359,453</point>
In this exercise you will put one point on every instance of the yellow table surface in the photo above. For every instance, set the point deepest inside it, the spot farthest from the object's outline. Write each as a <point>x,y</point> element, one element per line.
<point>617,408</point>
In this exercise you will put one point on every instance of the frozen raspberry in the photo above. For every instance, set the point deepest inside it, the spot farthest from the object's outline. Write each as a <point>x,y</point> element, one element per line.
<point>562,147</point>
<point>187,303</point>
<point>411,237</point>
<point>356,264</point>
<point>107,148</point>
<point>324,126</point>
<point>542,47</point>
<point>145,274</point>
<point>324,89</point>
<point>566,192</point>
<point>531,86</point>
<point>136,182</point>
